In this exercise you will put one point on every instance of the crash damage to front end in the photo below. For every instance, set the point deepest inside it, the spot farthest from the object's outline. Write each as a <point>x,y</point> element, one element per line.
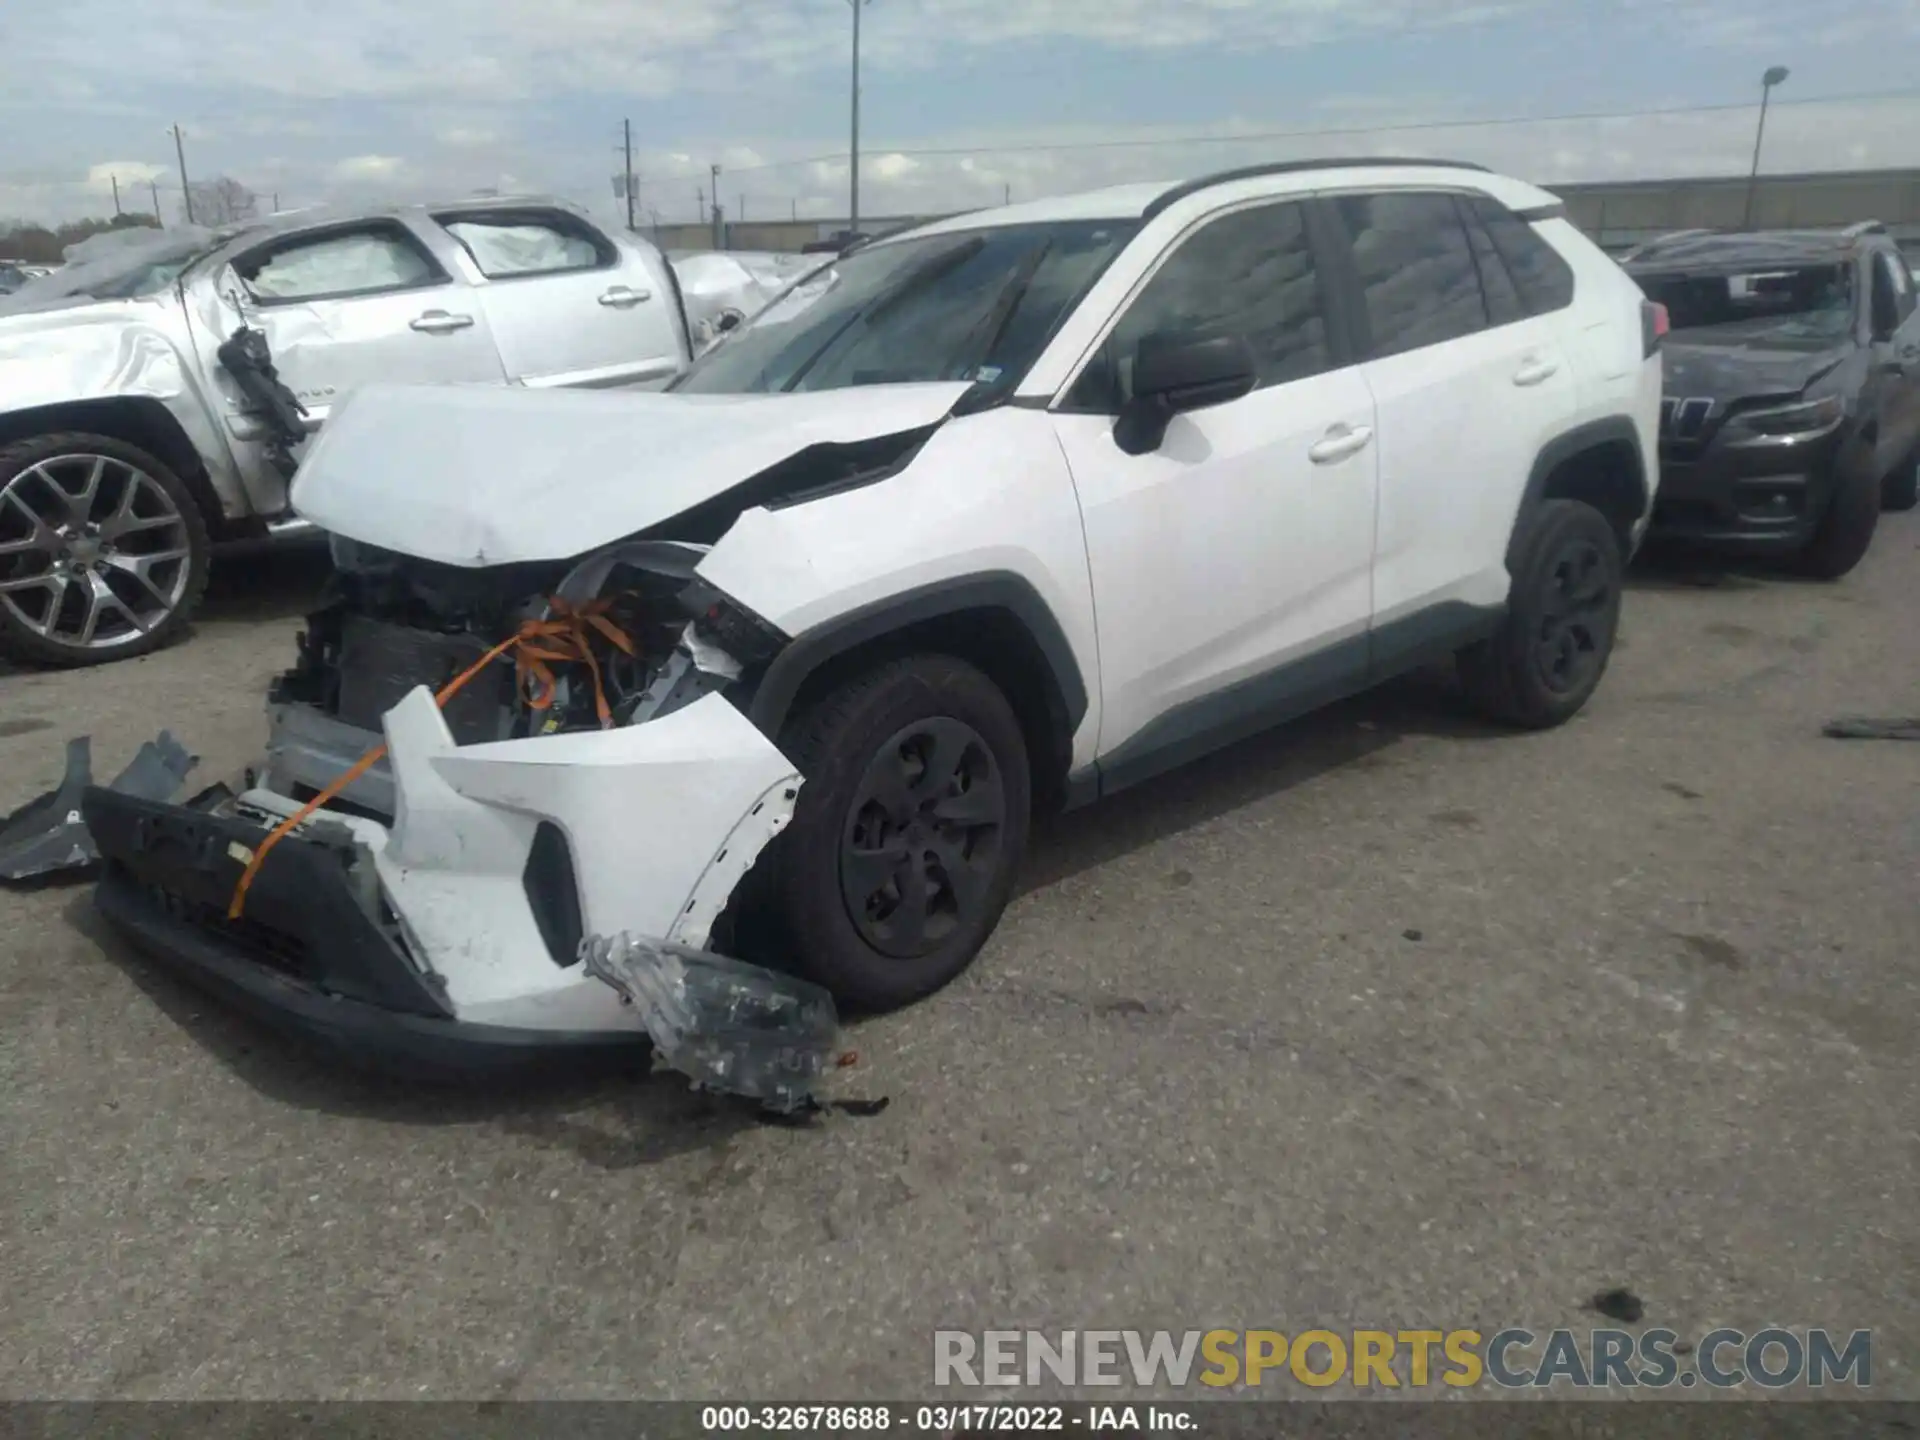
<point>434,914</point>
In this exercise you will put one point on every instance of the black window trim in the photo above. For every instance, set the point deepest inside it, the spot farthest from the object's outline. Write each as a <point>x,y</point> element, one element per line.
<point>1472,224</point>
<point>1341,350</point>
<point>1529,218</point>
<point>299,239</point>
<point>603,246</point>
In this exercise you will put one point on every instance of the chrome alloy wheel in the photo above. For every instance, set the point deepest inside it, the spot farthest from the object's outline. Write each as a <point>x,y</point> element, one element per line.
<point>93,552</point>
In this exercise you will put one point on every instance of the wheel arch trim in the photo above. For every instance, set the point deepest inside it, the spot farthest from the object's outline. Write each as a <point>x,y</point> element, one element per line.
<point>825,642</point>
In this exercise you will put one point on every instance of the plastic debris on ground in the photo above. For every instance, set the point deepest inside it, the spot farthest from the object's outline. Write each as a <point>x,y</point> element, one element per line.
<point>46,836</point>
<point>723,1023</point>
<point>1856,728</point>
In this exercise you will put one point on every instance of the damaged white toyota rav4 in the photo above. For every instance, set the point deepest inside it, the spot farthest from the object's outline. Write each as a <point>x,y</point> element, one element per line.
<point>1007,512</point>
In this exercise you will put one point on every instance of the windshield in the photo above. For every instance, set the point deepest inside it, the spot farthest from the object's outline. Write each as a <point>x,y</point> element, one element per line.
<point>1811,302</point>
<point>978,307</point>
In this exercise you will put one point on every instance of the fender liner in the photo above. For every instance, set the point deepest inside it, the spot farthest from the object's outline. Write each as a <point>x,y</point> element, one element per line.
<point>988,590</point>
<point>1610,429</point>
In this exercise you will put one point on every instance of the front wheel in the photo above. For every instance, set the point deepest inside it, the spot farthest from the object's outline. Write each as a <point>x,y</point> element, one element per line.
<point>103,552</point>
<point>908,832</point>
<point>1547,658</point>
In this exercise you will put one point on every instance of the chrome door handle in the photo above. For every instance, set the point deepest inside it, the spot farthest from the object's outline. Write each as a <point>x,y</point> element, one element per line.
<point>439,322</point>
<point>623,298</point>
<point>1534,370</point>
<point>1340,442</point>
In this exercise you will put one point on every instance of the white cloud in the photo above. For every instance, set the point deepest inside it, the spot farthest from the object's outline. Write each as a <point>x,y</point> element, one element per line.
<point>127,172</point>
<point>369,167</point>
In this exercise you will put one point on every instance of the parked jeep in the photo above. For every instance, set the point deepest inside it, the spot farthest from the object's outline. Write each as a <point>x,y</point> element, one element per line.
<point>1792,408</point>
<point>155,398</point>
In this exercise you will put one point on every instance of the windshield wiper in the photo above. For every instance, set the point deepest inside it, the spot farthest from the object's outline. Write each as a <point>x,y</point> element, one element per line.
<point>933,268</point>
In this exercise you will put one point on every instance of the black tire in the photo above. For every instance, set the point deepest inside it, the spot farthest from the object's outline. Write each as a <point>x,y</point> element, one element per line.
<point>1901,490</point>
<point>1845,532</point>
<point>1563,611</point>
<point>150,614</point>
<point>866,727</point>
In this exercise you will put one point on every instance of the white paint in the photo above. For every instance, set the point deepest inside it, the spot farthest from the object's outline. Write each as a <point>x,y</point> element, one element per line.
<point>474,476</point>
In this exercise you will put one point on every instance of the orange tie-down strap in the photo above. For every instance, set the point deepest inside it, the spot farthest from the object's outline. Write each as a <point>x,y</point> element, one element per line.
<point>564,637</point>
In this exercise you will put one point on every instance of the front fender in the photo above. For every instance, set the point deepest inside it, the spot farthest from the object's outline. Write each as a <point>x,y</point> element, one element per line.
<point>86,356</point>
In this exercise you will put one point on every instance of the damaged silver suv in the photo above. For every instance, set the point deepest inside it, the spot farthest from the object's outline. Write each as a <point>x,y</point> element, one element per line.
<point>1011,511</point>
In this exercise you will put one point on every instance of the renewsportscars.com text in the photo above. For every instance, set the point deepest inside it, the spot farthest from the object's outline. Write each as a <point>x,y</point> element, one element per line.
<point>1511,1359</point>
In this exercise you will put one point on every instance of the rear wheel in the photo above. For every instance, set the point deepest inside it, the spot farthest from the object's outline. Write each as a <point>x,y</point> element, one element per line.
<point>907,835</point>
<point>103,552</point>
<point>1547,658</point>
<point>1846,531</point>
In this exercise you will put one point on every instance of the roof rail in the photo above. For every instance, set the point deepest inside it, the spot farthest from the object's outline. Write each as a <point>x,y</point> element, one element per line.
<point>1288,167</point>
<point>1863,227</point>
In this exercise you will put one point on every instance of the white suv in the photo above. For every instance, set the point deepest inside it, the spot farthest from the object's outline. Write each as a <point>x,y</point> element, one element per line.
<point>1012,510</point>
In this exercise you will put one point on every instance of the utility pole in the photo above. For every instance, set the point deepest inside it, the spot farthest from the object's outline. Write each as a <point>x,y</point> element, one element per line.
<point>740,206</point>
<point>276,202</point>
<point>796,210</point>
<point>1774,76</point>
<point>853,149</point>
<point>719,230</point>
<point>626,127</point>
<point>158,218</point>
<point>1006,194</point>
<point>116,195</point>
<point>186,190</point>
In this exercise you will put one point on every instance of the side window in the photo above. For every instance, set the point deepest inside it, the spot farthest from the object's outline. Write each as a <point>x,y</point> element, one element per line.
<point>509,244</point>
<point>1250,273</point>
<point>373,259</point>
<point>1415,269</point>
<point>1503,298</point>
<point>1544,278</point>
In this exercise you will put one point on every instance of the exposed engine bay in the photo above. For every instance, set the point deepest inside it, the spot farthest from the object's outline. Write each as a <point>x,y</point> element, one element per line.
<point>390,623</point>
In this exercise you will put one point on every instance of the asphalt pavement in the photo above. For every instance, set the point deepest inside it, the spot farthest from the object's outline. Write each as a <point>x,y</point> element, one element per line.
<point>1381,1019</point>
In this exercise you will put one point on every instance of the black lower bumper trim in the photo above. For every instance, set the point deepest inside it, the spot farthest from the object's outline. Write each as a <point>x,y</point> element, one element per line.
<point>1760,498</point>
<point>365,1036</point>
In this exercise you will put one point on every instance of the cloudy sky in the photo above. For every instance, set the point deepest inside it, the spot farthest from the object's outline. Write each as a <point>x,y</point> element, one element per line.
<point>964,101</point>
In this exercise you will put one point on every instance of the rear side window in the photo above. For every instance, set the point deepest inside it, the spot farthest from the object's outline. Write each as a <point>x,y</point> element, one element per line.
<point>1415,269</point>
<point>1503,297</point>
<point>1544,278</point>
<point>509,244</point>
<point>374,259</point>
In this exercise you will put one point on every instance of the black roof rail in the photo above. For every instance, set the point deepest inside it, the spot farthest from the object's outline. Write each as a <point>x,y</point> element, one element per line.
<point>1289,167</point>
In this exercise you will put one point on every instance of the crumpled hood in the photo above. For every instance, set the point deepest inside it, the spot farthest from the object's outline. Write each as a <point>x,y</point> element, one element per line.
<point>479,475</point>
<point>1727,372</point>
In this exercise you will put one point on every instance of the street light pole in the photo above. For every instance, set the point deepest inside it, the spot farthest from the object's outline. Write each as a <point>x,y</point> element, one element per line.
<point>1774,76</point>
<point>853,149</point>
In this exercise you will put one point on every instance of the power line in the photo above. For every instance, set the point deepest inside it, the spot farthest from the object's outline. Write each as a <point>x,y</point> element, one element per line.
<point>1407,127</point>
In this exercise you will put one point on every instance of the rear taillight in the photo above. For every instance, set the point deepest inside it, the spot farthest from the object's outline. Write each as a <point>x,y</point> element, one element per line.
<point>1654,325</point>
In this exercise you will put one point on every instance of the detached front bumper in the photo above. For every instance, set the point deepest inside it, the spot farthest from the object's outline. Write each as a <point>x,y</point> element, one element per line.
<point>1754,495</point>
<point>449,941</point>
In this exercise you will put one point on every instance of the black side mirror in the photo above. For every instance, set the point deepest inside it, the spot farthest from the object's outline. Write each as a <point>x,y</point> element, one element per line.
<point>1886,305</point>
<point>1174,373</point>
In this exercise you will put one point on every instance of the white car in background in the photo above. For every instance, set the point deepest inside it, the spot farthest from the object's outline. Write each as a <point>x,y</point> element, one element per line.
<point>157,393</point>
